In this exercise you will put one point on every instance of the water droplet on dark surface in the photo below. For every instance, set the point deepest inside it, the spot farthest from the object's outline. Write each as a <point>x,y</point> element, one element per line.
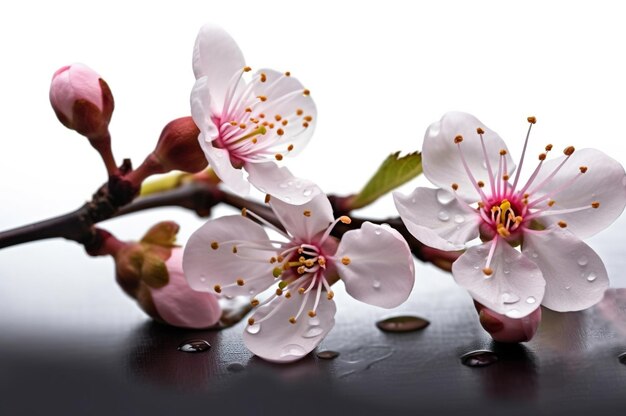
<point>194,345</point>
<point>327,354</point>
<point>479,358</point>
<point>403,323</point>
<point>235,367</point>
<point>361,359</point>
<point>622,358</point>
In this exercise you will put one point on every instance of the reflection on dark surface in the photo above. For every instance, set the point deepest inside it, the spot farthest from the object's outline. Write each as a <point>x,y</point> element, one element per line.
<point>404,323</point>
<point>515,375</point>
<point>479,358</point>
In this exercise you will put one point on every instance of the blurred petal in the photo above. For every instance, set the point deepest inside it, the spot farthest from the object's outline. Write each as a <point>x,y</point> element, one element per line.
<point>181,306</point>
<point>440,155</point>
<point>509,330</point>
<point>575,275</point>
<point>280,341</point>
<point>604,182</point>
<point>437,219</point>
<point>210,260</point>
<point>280,183</point>
<point>376,265</point>
<point>515,288</point>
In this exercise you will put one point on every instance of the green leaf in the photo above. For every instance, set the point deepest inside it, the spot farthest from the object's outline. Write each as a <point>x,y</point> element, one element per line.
<point>393,172</point>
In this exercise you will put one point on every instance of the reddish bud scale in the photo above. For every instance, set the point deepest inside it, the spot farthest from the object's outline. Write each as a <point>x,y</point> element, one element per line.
<point>178,147</point>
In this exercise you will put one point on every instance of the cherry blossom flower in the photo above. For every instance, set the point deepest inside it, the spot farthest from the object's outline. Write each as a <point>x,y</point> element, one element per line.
<point>234,256</point>
<point>249,125</point>
<point>564,200</point>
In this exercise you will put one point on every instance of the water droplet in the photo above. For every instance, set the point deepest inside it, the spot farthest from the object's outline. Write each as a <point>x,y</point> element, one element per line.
<point>315,321</point>
<point>507,271</point>
<point>591,277</point>
<point>531,300</point>
<point>444,197</point>
<point>509,298</point>
<point>459,219</point>
<point>327,354</point>
<point>361,359</point>
<point>376,284</point>
<point>203,279</point>
<point>290,183</point>
<point>534,255</point>
<point>378,231</point>
<point>479,358</point>
<point>583,260</point>
<point>476,267</point>
<point>413,200</point>
<point>568,287</point>
<point>443,216</point>
<point>404,323</point>
<point>434,129</point>
<point>622,358</point>
<point>313,332</point>
<point>283,185</point>
<point>253,329</point>
<point>235,367</point>
<point>292,350</point>
<point>484,165</point>
<point>287,199</point>
<point>307,192</point>
<point>513,313</point>
<point>298,185</point>
<point>194,345</point>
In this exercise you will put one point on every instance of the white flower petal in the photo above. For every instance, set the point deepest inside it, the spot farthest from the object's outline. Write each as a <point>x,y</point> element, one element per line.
<point>440,156</point>
<point>575,275</point>
<point>201,108</point>
<point>207,264</point>
<point>515,288</point>
<point>604,182</point>
<point>219,161</point>
<point>280,341</point>
<point>376,265</point>
<point>178,304</point>
<point>437,219</point>
<point>280,183</point>
<point>319,215</point>
<point>217,57</point>
<point>287,108</point>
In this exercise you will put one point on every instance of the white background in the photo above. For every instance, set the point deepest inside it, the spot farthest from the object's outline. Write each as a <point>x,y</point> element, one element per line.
<point>380,73</point>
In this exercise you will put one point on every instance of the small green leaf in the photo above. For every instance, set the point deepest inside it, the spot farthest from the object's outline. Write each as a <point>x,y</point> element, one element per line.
<point>393,172</point>
<point>154,272</point>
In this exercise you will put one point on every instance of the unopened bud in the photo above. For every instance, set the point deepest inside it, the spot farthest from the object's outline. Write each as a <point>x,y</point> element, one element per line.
<point>82,101</point>
<point>178,147</point>
<point>508,330</point>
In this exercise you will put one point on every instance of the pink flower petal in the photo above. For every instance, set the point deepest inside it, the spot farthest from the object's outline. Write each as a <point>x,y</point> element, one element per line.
<point>440,156</point>
<point>280,183</point>
<point>303,222</point>
<point>575,275</point>
<point>217,57</point>
<point>604,182</point>
<point>181,306</point>
<point>376,265</point>
<point>210,259</point>
<point>437,219</point>
<point>505,329</point>
<point>280,341</point>
<point>516,286</point>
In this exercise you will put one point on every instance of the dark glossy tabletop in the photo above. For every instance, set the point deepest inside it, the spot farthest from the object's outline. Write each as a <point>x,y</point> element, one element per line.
<point>72,343</point>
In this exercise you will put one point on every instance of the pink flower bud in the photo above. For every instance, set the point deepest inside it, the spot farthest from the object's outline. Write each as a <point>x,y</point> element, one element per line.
<point>508,330</point>
<point>82,101</point>
<point>151,272</point>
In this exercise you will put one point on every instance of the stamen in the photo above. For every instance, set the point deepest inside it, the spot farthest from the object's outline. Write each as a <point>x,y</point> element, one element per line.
<point>215,245</point>
<point>240,282</point>
<point>263,221</point>
<point>250,321</point>
<point>583,169</point>
<point>345,260</point>
<point>217,288</point>
<point>568,151</point>
<point>455,186</point>
<point>595,204</point>
<point>307,213</point>
<point>531,121</point>
<point>487,162</point>
<point>492,250</point>
<point>254,302</point>
<point>562,224</point>
<point>267,198</point>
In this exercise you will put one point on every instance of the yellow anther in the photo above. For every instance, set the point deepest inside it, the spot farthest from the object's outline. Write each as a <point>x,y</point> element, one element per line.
<point>262,98</point>
<point>330,295</point>
<point>505,177</point>
<point>562,224</point>
<point>568,150</point>
<point>250,321</point>
<point>526,195</point>
<point>280,132</point>
<point>233,123</point>
<point>271,125</point>
<point>279,292</point>
<point>217,288</point>
<point>306,92</point>
<point>290,148</point>
<point>273,260</point>
<point>455,186</point>
<point>261,115</point>
<point>542,156</point>
<point>280,259</point>
<point>583,169</point>
<point>480,131</point>
<point>502,152</point>
<point>487,271</point>
<point>284,122</point>
<point>345,260</point>
<point>595,204</point>
<point>501,229</point>
<point>551,202</point>
<point>532,120</point>
<point>277,271</point>
<point>247,69</point>
<point>254,140</point>
<point>215,245</point>
<point>548,147</point>
<point>263,77</point>
<point>481,204</point>
<point>242,126</point>
<point>234,249</point>
<point>321,261</point>
<point>301,270</point>
<point>244,212</point>
<point>307,213</point>
<point>301,259</point>
<point>254,302</point>
<point>458,139</point>
<point>518,219</point>
<point>299,111</point>
<point>301,290</point>
<point>309,263</point>
<point>292,320</point>
<point>345,219</point>
<point>278,117</point>
<point>267,198</point>
<point>248,110</point>
<point>305,124</point>
<point>481,184</point>
<point>505,205</point>
<point>287,74</point>
<point>308,118</point>
<point>287,295</point>
<point>240,282</point>
<point>278,156</point>
<point>312,314</point>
